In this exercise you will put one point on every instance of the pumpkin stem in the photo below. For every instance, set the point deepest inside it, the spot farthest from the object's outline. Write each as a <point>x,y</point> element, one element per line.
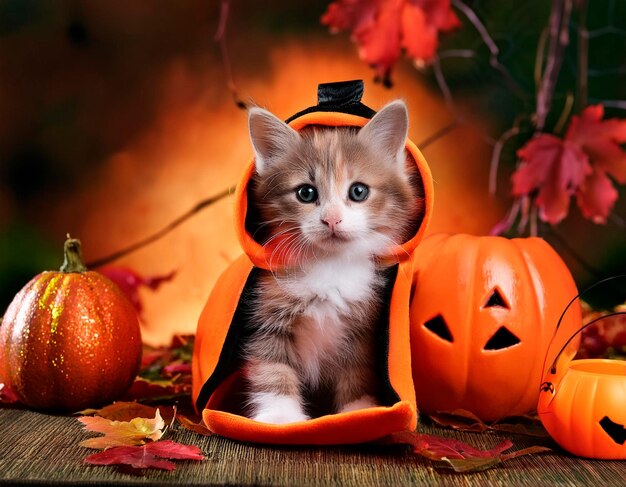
<point>72,256</point>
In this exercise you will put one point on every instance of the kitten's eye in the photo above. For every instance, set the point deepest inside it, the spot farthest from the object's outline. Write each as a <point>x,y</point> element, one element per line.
<point>358,192</point>
<point>307,193</point>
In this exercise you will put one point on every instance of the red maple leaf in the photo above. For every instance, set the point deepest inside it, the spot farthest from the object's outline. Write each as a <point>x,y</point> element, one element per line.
<point>142,389</point>
<point>578,165</point>
<point>596,196</point>
<point>152,455</point>
<point>382,28</point>
<point>129,281</point>
<point>456,455</point>
<point>177,368</point>
<point>601,139</point>
<point>556,168</point>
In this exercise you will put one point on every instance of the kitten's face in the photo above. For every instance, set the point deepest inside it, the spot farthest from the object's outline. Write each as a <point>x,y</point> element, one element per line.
<point>327,191</point>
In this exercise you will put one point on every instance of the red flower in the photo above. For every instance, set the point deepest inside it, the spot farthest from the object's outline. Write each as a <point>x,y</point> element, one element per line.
<point>578,165</point>
<point>382,28</point>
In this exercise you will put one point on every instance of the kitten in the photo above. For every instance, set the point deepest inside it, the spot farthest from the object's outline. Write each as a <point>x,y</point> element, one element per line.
<point>332,200</point>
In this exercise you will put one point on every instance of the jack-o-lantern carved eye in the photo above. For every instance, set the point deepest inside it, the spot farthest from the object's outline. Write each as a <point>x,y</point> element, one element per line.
<point>616,431</point>
<point>496,300</point>
<point>502,338</point>
<point>439,327</point>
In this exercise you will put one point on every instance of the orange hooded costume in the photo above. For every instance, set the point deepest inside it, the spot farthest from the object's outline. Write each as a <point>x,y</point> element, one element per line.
<point>217,385</point>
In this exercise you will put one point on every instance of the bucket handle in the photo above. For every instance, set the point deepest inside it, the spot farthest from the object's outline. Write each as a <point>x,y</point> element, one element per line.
<point>579,295</point>
<point>553,366</point>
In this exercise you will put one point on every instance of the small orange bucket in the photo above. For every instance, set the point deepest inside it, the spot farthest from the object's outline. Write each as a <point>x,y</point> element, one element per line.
<point>582,403</point>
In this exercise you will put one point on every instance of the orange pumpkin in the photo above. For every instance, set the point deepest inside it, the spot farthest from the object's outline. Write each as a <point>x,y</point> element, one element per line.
<point>581,404</point>
<point>483,313</point>
<point>69,339</point>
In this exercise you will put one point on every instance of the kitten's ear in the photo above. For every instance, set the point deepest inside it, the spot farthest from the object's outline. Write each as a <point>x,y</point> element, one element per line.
<point>388,129</point>
<point>270,136</point>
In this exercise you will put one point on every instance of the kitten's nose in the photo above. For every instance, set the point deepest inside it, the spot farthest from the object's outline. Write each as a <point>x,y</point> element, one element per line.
<point>332,221</point>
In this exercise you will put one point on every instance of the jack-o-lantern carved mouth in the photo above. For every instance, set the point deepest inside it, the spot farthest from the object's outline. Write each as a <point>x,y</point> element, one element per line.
<point>616,431</point>
<point>502,338</point>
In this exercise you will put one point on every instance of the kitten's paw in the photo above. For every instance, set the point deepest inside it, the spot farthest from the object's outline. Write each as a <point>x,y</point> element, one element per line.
<point>280,417</point>
<point>363,402</point>
<point>277,409</point>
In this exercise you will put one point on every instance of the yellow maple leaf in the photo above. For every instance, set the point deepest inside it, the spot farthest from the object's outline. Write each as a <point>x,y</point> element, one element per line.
<point>122,433</point>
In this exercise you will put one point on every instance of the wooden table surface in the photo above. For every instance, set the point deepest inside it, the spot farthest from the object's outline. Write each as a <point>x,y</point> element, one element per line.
<point>39,448</point>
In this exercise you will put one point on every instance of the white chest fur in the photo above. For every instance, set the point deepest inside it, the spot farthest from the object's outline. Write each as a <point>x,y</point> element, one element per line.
<point>328,289</point>
<point>334,283</point>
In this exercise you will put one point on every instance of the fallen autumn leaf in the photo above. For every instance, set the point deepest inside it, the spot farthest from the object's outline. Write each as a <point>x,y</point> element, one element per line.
<point>151,455</point>
<point>118,433</point>
<point>456,455</point>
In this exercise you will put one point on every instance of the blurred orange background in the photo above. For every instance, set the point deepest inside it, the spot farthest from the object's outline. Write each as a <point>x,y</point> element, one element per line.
<point>116,119</point>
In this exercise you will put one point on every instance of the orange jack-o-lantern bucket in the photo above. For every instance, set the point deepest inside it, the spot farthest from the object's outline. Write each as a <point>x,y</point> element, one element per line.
<point>483,312</point>
<point>582,403</point>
